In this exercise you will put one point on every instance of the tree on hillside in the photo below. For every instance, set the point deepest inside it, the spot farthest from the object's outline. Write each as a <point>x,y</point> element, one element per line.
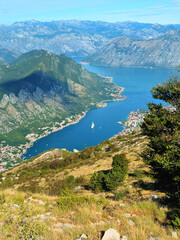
<point>118,172</point>
<point>162,126</point>
<point>108,181</point>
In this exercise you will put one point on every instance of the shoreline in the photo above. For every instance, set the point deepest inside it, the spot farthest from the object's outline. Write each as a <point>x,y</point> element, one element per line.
<point>80,116</point>
<point>98,105</point>
<point>16,152</point>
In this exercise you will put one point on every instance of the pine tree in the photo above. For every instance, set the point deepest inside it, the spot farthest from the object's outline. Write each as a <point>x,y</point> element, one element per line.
<point>162,126</point>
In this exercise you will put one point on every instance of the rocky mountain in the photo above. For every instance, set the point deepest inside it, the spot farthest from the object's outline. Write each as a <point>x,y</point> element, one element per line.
<point>40,89</point>
<point>123,51</point>
<point>7,55</point>
<point>74,38</point>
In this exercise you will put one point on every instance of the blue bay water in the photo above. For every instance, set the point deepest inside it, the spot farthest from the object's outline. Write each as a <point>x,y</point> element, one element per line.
<point>137,82</point>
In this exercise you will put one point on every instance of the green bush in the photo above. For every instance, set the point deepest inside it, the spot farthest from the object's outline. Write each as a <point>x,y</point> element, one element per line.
<point>119,195</point>
<point>97,182</point>
<point>110,180</point>
<point>174,217</point>
<point>138,173</point>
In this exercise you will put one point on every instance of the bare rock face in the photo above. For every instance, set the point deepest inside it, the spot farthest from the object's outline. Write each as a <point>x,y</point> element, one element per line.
<point>15,110</point>
<point>75,38</point>
<point>111,234</point>
<point>123,51</point>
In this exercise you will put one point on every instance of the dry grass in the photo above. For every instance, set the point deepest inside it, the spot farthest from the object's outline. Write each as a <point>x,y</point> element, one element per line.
<point>86,218</point>
<point>42,213</point>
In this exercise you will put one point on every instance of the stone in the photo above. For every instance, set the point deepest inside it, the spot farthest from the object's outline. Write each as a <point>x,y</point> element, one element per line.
<point>174,235</point>
<point>154,197</point>
<point>123,238</point>
<point>131,223</point>
<point>111,234</point>
<point>77,188</point>
<point>16,206</point>
<point>40,202</point>
<point>122,205</point>
<point>83,236</point>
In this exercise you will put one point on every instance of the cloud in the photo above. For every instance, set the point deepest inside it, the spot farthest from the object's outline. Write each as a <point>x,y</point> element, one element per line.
<point>161,10</point>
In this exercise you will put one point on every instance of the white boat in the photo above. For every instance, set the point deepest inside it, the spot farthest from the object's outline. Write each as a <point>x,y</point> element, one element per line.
<point>75,150</point>
<point>92,125</point>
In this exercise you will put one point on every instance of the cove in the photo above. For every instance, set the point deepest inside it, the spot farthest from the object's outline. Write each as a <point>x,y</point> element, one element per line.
<point>137,82</point>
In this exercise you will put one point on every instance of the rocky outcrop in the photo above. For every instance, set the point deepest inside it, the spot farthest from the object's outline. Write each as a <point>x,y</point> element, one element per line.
<point>27,107</point>
<point>123,51</point>
<point>111,234</point>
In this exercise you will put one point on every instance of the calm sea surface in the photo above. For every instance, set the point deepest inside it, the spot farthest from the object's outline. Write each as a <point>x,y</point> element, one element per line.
<point>137,84</point>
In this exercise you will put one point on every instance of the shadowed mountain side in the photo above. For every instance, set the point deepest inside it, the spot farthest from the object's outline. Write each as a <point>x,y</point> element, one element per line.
<point>42,89</point>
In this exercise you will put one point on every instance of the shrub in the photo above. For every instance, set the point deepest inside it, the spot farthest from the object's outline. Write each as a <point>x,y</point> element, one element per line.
<point>70,181</point>
<point>110,180</point>
<point>174,217</point>
<point>119,195</point>
<point>138,173</point>
<point>97,181</point>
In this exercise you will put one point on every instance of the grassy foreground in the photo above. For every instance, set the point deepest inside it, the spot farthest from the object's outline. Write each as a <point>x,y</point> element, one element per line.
<point>48,197</point>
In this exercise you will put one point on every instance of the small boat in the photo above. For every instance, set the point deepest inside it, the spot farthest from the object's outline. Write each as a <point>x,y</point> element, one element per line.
<point>75,150</point>
<point>92,125</point>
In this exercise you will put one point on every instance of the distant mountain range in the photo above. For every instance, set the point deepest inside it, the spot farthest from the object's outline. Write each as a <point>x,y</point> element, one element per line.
<point>40,88</point>
<point>7,55</point>
<point>74,38</point>
<point>163,51</point>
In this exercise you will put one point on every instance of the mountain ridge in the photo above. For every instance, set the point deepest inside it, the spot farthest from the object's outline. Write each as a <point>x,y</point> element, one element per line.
<point>48,91</point>
<point>124,51</point>
<point>74,38</point>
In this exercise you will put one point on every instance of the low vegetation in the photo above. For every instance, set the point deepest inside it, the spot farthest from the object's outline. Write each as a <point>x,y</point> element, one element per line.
<point>110,180</point>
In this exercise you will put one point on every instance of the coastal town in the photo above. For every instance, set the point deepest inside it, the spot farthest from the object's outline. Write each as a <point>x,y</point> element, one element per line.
<point>12,155</point>
<point>135,119</point>
<point>133,122</point>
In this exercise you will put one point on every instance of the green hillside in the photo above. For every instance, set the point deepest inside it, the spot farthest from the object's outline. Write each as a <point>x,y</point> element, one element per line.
<point>41,89</point>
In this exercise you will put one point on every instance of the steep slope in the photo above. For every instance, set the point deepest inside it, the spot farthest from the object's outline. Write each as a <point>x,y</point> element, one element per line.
<point>7,55</point>
<point>48,197</point>
<point>74,38</point>
<point>123,51</point>
<point>45,90</point>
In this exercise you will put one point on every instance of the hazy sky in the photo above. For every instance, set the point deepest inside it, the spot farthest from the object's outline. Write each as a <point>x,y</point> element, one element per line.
<point>167,11</point>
